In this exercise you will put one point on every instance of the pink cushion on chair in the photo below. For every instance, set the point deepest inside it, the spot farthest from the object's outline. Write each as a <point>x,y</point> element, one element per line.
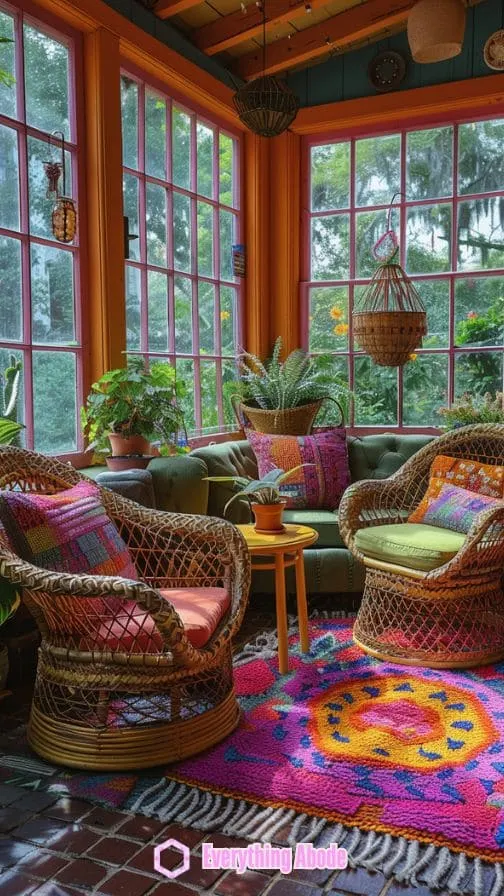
<point>133,631</point>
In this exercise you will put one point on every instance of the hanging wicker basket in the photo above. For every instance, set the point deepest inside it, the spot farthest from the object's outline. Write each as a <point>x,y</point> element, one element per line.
<point>391,321</point>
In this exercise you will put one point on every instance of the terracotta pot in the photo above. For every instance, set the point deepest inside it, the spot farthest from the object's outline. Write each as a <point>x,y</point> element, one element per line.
<point>117,463</point>
<point>268,517</point>
<point>122,445</point>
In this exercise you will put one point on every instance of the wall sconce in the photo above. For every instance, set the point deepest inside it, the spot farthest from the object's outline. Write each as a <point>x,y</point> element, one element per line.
<point>64,213</point>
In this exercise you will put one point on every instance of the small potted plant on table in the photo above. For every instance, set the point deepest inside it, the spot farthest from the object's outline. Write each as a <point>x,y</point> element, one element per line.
<point>130,407</point>
<point>264,496</point>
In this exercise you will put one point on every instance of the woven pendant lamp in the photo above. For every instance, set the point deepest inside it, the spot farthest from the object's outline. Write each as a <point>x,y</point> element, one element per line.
<point>266,105</point>
<point>436,29</point>
<point>391,320</point>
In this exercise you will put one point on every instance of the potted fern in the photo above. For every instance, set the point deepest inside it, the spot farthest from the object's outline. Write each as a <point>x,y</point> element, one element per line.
<point>285,396</point>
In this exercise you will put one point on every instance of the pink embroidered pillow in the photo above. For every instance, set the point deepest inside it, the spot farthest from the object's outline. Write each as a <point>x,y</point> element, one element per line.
<point>315,487</point>
<point>450,507</point>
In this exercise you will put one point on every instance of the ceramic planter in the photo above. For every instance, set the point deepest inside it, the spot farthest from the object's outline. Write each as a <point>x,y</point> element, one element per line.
<point>122,446</point>
<point>268,517</point>
<point>117,463</point>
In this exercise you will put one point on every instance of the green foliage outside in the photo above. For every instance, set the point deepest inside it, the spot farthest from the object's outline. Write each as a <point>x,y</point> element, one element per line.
<point>10,427</point>
<point>469,409</point>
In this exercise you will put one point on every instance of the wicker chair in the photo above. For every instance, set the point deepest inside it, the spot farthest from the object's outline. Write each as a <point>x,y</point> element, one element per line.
<point>118,708</point>
<point>453,615</point>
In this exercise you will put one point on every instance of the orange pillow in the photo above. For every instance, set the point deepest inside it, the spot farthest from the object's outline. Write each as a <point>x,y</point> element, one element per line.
<point>484,479</point>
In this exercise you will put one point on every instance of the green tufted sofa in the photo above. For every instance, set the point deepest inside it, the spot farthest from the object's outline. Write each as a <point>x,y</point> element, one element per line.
<point>329,565</point>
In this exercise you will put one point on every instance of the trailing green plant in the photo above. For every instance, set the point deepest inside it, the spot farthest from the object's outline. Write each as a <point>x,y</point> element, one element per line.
<point>470,409</point>
<point>261,491</point>
<point>10,379</point>
<point>134,400</point>
<point>300,379</point>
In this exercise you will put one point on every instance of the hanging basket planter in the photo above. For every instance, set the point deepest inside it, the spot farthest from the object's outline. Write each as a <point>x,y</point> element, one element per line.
<point>391,321</point>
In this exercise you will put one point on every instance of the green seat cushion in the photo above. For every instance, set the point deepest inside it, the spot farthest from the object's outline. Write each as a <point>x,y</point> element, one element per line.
<point>325,522</point>
<point>414,545</point>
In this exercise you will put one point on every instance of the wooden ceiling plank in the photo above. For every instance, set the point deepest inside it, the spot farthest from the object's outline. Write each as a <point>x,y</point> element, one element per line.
<point>165,9</point>
<point>355,24</point>
<point>241,26</point>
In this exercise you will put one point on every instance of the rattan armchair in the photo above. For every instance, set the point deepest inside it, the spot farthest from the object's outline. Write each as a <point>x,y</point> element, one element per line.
<point>453,615</point>
<point>128,708</point>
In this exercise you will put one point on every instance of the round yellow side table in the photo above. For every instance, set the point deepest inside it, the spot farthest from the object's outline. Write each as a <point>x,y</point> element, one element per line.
<point>286,548</point>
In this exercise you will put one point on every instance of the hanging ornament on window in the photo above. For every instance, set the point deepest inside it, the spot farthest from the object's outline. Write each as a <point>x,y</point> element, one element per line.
<point>391,320</point>
<point>64,213</point>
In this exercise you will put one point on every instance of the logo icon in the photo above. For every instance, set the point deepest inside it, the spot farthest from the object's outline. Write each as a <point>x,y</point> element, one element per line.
<point>179,869</point>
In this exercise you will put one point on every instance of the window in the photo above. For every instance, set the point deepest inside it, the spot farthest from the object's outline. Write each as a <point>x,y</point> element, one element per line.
<point>40,322</point>
<point>450,221</point>
<point>182,200</point>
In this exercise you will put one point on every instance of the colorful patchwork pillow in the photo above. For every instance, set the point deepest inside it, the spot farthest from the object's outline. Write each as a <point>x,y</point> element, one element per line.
<point>318,486</point>
<point>451,507</point>
<point>65,532</point>
<point>484,479</point>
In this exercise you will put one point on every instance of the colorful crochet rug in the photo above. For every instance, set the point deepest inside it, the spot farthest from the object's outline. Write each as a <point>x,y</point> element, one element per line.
<point>401,765</point>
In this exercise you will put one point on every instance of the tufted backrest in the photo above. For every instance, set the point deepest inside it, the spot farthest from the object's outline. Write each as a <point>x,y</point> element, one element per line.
<point>370,457</point>
<point>378,456</point>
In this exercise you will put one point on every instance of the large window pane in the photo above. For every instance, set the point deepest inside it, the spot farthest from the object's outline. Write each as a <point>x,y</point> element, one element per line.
<point>328,319</point>
<point>227,238</point>
<point>46,82</point>
<point>205,240</point>
<point>369,227</point>
<point>130,199</point>
<point>479,311</point>
<point>185,372</point>
<point>229,377</point>
<point>9,357</point>
<point>181,148</point>
<point>481,234</point>
<point>435,295</point>
<point>155,218</point>
<point>10,289</point>
<point>429,164</point>
<point>157,290</point>
<point>41,206</point>
<point>52,295</point>
<point>129,108</point>
<point>183,315</point>
<point>7,64</point>
<point>9,179</point>
<point>209,417</point>
<point>336,407</point>
<point>228,309</point>
<point>425,389</point>
<point>133,312</point>
<point>428,237</point>
<point>478,372</point>
<point>375,393</point>
<point>330,177</point>
<point>54,402</point>
<point>205,148</point>
<point>330,247</point>
<point>206,317</point>
<point>377,169</point>
<point>481,156</point>
<point>155,135</point>
<point>182,232</point>
<point>226,169</point>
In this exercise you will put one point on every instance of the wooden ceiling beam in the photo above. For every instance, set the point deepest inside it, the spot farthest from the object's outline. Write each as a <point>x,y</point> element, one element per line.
<point>358,23</point>
<point>165,9</point>
<point>239,26</point>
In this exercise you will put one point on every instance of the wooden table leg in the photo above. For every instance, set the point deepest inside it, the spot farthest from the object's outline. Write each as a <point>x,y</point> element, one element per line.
<point>301,602</point>
<point>281,614</point>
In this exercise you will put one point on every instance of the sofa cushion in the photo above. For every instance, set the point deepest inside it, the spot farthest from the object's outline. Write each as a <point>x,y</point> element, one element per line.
<point>483,479</point>
<point>133,631</point>
<point>321,482</point>
<point>414,545</point>
<point>325,522</point>
<point>378,456</point>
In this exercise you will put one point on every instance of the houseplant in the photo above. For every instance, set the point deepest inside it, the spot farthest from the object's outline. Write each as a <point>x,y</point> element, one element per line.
<point>263,495</point>
<point>9,394</point>
<point>133,405</point>
<point>469,409</point>
<point>285,396</point>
